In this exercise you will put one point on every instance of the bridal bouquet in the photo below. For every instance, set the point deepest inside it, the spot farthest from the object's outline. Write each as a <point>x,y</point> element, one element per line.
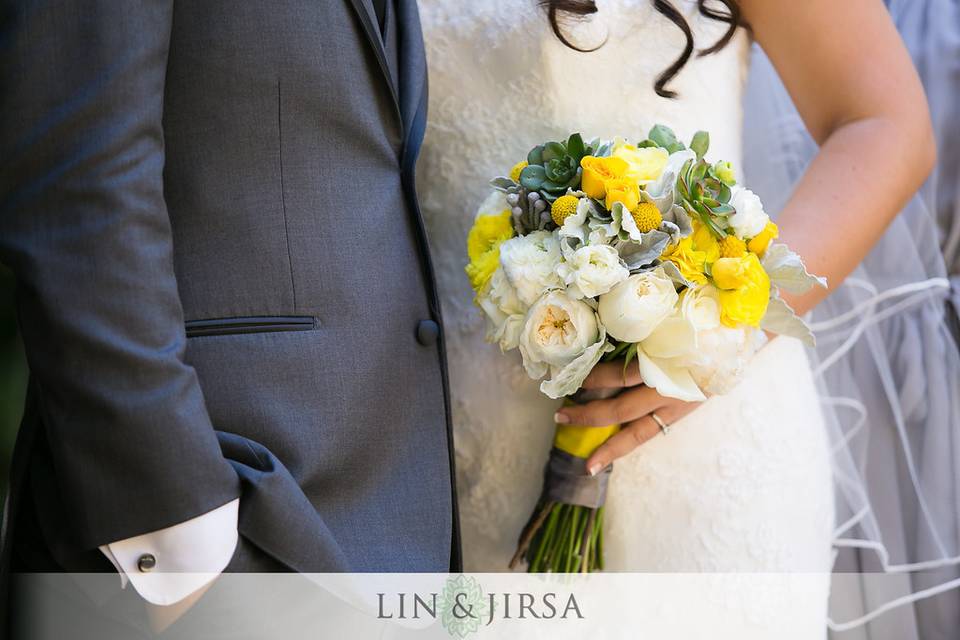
<point>645,252</point>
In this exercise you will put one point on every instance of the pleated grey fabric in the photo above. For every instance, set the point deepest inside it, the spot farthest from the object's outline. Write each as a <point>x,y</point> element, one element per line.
<point>888,361</point>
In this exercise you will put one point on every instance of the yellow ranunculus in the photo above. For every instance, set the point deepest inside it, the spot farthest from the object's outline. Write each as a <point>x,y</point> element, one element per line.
<point>645,164</point>
<point>596,173</point>
<point>744,290</point>
<point>483,246</point>
<point>689,261</point>
<point>759,243</point>
<point>622,190</point>
<point>704,240</point>
<point>730,273</point>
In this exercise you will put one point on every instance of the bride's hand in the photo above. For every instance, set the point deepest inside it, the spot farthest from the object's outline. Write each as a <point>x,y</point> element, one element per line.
<point>632,409</point>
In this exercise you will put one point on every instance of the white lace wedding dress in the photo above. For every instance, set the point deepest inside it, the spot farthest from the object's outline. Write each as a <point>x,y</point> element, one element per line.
<point>740,485</point>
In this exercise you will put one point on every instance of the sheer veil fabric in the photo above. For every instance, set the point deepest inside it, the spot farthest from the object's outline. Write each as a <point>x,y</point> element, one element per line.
<point>887,362</point>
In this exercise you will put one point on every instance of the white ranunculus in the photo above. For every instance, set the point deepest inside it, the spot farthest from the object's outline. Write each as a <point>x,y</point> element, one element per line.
<point>592,270</point>
<point>557,330</point>
<point>750,219</point>
<point>495,204</point>
<point>634,308</point>
<point>530,263</point>
<point>505,313</point>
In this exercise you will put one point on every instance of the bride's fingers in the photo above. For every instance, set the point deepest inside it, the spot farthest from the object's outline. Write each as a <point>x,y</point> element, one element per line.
<point>621,443</point>
<point>672,411</point>
<point>629,405</point>
<point>611,375</point>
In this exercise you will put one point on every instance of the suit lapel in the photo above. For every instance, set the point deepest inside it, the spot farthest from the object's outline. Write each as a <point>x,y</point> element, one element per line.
<point>412,63</point>
<point>367,16</point>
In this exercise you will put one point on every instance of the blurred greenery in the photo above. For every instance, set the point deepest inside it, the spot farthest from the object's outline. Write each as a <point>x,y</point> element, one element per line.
<point>13,375</point>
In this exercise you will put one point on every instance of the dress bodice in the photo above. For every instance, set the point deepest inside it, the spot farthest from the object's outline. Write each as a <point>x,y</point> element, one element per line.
<point>500,83</point>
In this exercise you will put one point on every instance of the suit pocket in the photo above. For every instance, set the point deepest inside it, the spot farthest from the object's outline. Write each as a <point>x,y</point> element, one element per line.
<point>252,324</point>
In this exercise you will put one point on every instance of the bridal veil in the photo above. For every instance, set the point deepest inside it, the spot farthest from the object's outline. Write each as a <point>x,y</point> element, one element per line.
<point>887,359</point>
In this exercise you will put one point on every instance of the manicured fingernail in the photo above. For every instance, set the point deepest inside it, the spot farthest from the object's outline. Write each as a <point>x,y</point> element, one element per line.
<point>561,418</point>
<point>595,469</point>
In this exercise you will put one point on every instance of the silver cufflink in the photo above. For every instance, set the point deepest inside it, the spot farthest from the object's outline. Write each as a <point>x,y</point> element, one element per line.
<point>146,563</point>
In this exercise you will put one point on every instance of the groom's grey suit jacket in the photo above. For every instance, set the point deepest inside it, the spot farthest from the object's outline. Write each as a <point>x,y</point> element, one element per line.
<point>223,281</point>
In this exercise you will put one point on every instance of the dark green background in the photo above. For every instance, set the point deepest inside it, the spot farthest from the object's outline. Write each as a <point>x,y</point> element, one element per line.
<point>13,375</point>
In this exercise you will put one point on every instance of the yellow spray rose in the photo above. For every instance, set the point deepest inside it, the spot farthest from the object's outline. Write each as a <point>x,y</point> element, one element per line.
<point>645,164</point>
<point>483,246</point>
<point>704,240</point>
<point>759,243</point>
<point>596,173</point>
<point>689,261</point>
<point>744,290</point>
<point>622,190</point>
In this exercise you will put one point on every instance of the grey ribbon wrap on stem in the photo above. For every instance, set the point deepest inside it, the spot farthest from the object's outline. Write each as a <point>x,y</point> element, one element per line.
<point>568,482</point>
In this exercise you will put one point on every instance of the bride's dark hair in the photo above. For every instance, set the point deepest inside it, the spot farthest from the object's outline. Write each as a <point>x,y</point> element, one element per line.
<point>731,16</point>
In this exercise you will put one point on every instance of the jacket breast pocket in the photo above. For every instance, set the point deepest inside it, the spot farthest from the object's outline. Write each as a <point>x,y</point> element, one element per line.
<point>250,324</point>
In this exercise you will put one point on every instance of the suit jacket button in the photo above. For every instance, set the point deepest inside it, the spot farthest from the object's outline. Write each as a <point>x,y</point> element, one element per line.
<point>427,332</point>
<point>146,563</point>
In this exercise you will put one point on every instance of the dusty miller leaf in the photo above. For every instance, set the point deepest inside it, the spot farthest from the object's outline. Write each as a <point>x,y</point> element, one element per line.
<point>786,270</point>
<point>782,320</point>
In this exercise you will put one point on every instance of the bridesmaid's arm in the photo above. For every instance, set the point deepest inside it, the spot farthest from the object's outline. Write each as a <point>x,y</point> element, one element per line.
<point>855,87</point>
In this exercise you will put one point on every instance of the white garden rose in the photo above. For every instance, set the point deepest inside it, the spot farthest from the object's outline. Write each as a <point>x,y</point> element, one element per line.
<point>557,330</point>
<point>592,270</point>
<point>505,313</point>
<point>750,219</point>
<point>530,263</point>
<point>634,308</point>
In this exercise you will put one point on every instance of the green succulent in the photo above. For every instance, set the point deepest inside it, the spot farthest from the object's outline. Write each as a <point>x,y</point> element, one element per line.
<point>554,167</point>
<point>702,189</point>
<point>663,136</point>
<point>705,195</point>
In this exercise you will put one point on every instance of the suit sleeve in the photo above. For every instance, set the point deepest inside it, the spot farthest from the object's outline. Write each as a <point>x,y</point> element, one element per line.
<point>85,229</point>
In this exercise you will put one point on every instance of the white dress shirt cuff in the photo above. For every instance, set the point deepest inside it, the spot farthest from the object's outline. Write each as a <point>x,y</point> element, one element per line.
<point>168,565</point>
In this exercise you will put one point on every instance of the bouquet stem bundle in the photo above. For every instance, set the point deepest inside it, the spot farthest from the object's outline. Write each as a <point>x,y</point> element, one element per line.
<point>565,532</point>
<point>562,538</point>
